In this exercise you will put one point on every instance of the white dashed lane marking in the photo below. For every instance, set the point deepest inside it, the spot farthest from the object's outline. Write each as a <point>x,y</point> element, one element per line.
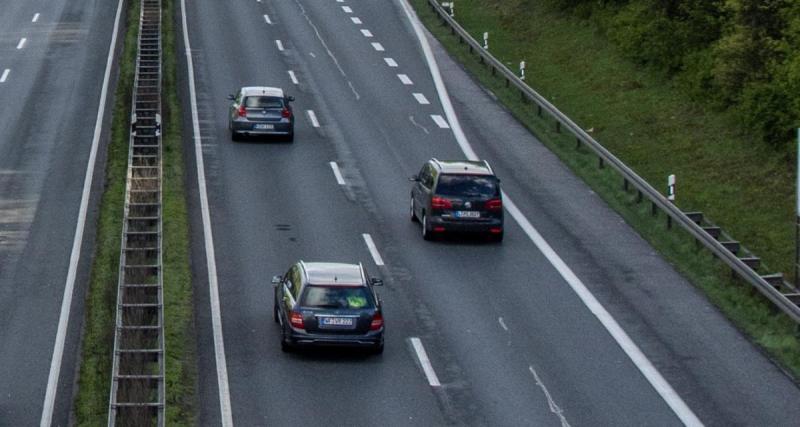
<point>377,46</point>
<point>424,362</point>
<point>337,173</point>
<point>366,32</point>
<point>421,99</point>
<point>35,18</point>
<point>440,121</point>
<point>347,9</point>
<point>356,20</point>
<point>21,43</point>
<point>279,44</point>
<point>313,118</point>
<point>293,77</point>
<point>267,20</point>
<point>404,78</point>
<point>4,77</point>
<point>390,62</point>
<point>373,250</point>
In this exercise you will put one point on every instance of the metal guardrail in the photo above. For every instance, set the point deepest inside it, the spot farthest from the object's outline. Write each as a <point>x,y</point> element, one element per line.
<point>772,286</point>
<point>137,395</point>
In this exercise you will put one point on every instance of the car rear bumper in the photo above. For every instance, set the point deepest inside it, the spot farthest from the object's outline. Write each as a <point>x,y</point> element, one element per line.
<point>492,225</point>
<point>371,339</point>
<point>249,128</point>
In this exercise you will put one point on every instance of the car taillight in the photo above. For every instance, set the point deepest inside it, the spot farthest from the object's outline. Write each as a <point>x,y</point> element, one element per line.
<point>242,111</point>
<point>286,113</point>
<point>296,319</point>
<point>377,322</point>
<point>494,205</point>
<point>441,203</point>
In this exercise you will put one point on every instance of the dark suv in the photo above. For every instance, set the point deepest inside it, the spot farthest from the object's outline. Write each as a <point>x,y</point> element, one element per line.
<point>457,195</point>
<point>321,303</point>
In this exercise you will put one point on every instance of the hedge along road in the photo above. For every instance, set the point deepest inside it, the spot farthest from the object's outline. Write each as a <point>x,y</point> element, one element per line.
<point>51,82</point>
<point>477,333</point>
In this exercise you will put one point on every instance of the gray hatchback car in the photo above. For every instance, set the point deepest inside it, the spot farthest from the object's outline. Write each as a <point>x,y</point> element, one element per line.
<point>261,110</point>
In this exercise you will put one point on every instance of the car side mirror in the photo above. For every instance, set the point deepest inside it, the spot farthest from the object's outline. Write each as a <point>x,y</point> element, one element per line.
<point>276,280</point>
<point>413,178</point>
<point>376,282</point>
<point>290,98</point>
<point>231,97</point>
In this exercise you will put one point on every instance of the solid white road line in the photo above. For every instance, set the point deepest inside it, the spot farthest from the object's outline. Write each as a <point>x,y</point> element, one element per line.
<point>279,44</point>
<point>502,323</point>
<point>74,258</point>
<point>337,173</point>
<point>661,386</point>
<point>293,77</point>
<point>347,9</point>
<point>440,121</point>
<point>35,18</point>
<point>373,250</point>
<point>267,20</point>
<point>226,416</point>
<point>356,20</point>
<point>313,118</point>
<point>21,43</point>
<point>421,99</point>
<point>404,78</point>
<point>427,368</point>
<point>4,77</point>
<point>390,62</point>
<point>378,47</point>
<point>554,408</point>
<point>366,32</point>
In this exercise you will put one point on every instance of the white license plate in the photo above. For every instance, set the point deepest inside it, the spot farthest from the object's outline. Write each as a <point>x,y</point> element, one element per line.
<point>264,126</point>
<point>468,214</point>
<point>336,321</point>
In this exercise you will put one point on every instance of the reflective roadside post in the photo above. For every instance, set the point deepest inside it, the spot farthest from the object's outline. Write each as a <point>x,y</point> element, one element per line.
<point>486,40</point>
<point>797,217</point>
<point>522,70</point>
<point>670,195</point>
<point>452,6</point>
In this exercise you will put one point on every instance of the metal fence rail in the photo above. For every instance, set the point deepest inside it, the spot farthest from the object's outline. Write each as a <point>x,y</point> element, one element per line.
<point>782,294</point>
<point>137,386</point>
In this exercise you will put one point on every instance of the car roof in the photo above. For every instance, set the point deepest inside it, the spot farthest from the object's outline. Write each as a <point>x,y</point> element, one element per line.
<point>262,90</point>
<point>333,273</point>
<point>465,167</point>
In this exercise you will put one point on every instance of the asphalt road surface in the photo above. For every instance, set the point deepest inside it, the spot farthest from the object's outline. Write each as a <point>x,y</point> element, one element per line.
<point>509,340</point>
<point>53,56</point>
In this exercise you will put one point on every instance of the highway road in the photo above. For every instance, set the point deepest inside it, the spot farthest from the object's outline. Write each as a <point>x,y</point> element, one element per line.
<point>53,56</point>
<point>518,333</point>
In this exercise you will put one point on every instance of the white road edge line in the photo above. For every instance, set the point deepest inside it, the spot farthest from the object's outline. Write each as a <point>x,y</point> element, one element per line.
<point>35,18</point>
<point>390,62</point>
<point>21,43</point>
<point>373,250</point>
<point>293,77</point>
<point>427,368</point>
<point>313,118</point>
<point>337,173</point>
<point>226,417</point>
<point>74,258</point>
<point>421,98</point>
<point>554,408</point>
<point>404,78</point>
<point>4,77</point>
<point>279,44</point>
<point>267,20</point>
<point>356,20</point>
<point>661,386</point>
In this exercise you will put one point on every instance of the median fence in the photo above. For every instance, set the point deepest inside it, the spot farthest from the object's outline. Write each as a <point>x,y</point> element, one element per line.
<point>137,384</point>
<point>741,262</point>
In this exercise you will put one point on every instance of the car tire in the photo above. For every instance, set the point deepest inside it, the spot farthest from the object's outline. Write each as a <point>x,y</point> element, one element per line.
<point>426,233</point>
<point>413,214</point>
<point>275,314</point>
<point>496,238</point>
<point>290,137</point>
<point>377,349</point>
<point>285,346</point>
<point>235,136</point>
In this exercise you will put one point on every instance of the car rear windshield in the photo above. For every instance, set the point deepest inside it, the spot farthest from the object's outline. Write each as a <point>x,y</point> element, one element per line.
<point>263,102</point>
<point>341,297</point>
<point>467,185</point>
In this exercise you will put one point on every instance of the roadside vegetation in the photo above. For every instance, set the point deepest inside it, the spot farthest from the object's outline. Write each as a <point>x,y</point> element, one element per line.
<point>91,403</point>
<point>646,118</point>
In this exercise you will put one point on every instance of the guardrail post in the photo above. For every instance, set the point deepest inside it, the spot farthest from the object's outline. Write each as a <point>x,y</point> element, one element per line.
<point>558,126</point>
<point>539,110</point>
<point>600,163</point>
<point>653,209</point>
<point>578,144</point>
<point>639,196</point>
<point>625,184</point>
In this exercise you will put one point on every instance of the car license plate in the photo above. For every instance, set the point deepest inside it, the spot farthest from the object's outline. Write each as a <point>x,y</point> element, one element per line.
<point>336,321</point>
<point>264,126</point>
<point>468,214</point>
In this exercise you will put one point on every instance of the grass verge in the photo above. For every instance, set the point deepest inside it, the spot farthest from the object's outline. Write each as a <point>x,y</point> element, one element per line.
<point>91,404</point>
<point>751,312</point>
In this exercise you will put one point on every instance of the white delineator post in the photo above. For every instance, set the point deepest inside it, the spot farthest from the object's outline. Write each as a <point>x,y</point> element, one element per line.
<point>452,6</point>
<point>522,70</point>
<point>486,40</point>
<point>671,188</point>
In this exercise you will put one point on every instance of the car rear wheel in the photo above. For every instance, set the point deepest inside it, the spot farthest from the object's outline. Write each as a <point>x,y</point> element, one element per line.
<point>290,137</point>
<point>285,346</point>
<point>275,314</point>
<point>378,349</point>
<point>413,214</point>
<point>235,136</point>
<point>496,238</point>
<point>426,233</point>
